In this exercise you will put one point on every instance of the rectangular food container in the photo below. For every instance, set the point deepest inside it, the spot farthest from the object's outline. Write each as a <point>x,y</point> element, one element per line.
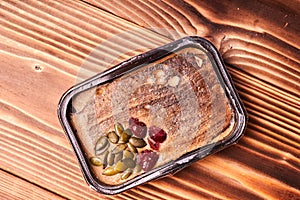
<point>215,89</point>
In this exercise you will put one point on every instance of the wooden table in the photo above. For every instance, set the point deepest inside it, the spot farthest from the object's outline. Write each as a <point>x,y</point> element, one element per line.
<point>43,48</point>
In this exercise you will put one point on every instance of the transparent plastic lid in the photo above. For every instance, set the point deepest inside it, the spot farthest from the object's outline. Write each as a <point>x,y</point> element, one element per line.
<point>152,115</point>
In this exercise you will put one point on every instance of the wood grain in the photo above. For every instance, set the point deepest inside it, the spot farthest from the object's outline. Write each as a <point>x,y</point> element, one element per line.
<point>43,45</point>
<point>42,49</point>
<point>13,187</point>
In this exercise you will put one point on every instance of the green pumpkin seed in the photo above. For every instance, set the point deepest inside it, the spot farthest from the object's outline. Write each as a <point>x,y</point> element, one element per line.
<point>126,174</point>
<point>119,129</point>
<point>118,148</point>
<point>131,148</point>
<point>137,169</point>
<point>129,162</point>
<point>120,166</point>
<point>109,171</point>
<point>110,158</point>
<point>137,142</point>
<point>118,156</point>
<point>124,137</point>
<point>128,131</point>
<point>101,151</point>
<point>105,159</point>
<point>96,161</point>
<point>128,154</point>
<point>101,145</point>
<point>113,137</point>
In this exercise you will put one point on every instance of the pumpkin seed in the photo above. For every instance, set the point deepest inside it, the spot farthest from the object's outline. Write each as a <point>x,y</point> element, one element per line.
<point>118,148</point>
<point>137,142</point>
<point>118,156</point>
<point>105,159</point>
<point>129,162</point>
<point>101,151</point>
<point>101,145</point>
<point>137,169</point>
<point>119,129</point>
<point>128,154</point>
<point>96,161</point>
<point>126,174</point>
<point>113,137</point>
<point>110,158</point>
<point>109,171</point>
<point>128,131</point>
<point>131,148</point>
<point>120,166</point>
<point>124,137</point>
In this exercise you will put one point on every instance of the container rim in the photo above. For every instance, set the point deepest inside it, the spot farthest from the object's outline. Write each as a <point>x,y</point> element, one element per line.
<point>131,65</point>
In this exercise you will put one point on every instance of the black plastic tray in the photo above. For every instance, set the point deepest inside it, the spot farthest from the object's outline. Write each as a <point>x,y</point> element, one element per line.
<point>136,63</point>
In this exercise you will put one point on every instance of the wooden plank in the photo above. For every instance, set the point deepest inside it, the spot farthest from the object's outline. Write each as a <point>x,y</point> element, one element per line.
<point>12,187</point>
<point>44,44</point>
<point>42,49</point>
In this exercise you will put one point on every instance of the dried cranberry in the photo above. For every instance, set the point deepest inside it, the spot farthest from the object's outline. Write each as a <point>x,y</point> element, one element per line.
<point>154,145</point>
<point>138,128</point>
<point>147,159</point>
<point>157,134</point>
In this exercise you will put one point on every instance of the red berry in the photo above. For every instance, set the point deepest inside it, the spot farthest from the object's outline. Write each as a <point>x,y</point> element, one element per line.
<point>154,145</point>
<point>157,134</point>
<point>147,159</point>
<point>138,128</point>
